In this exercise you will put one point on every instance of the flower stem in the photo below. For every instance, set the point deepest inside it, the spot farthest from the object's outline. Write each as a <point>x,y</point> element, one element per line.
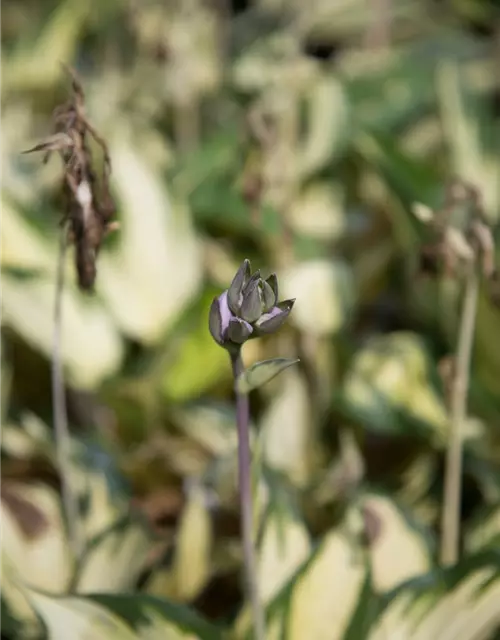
<point>450,525</point>
<point>61,431</point>
<point>245,487</point>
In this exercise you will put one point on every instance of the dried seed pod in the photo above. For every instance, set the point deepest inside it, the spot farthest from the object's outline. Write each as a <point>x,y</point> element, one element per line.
<point>89,204</point>
<point>460,234</point>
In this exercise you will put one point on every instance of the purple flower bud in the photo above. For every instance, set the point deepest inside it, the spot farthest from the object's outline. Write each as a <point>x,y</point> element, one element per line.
<point>235,291</point>
<point>270,322</point>
<point>272,281</point>
<point>249,308</point>
<point>219,318</point>
<point>268,296</point>
<point>239,330</point>
<point>249,284</point>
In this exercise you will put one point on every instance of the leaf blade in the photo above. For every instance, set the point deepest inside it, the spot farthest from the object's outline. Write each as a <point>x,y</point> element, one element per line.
<point>261,372</point>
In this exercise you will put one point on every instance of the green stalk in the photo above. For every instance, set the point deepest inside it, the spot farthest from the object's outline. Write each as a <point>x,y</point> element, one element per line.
<point>61,430</point>
<point>450,524</point>
<point>245,490</point>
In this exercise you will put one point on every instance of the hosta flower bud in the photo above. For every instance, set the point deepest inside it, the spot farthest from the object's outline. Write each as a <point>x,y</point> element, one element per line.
<point>224,325</point>
<point>268,296</point>
<point>249,308</point>
<point>270,322</point>
<point>235,291</point>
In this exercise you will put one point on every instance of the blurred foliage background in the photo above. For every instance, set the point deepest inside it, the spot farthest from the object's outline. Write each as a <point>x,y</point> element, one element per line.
<point>299,135</point>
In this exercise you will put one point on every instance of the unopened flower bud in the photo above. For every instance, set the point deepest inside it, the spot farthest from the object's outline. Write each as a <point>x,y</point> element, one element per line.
<point>239,330</point>
<point>269,298</point>
<point>272,321</point>
<point>249,308</point>
<point>235,291</point>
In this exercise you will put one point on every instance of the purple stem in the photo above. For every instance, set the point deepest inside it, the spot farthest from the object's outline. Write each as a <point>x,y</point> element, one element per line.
<point>245,487</point>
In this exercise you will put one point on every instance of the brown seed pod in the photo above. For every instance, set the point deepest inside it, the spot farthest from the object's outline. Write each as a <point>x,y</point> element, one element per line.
<point>90,207</point>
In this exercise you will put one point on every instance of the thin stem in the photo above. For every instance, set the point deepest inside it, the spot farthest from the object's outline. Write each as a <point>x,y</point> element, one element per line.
<point>450,525</point>
<point>245,486</point>
<point>61,431</point>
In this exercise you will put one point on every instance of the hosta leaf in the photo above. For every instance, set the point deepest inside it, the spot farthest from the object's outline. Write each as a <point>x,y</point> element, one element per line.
<point>398,620</point>
<point>156,269</point>
<point>398,551</point>
<point>319,211</point>
<point>211,425</point>
<point>21,180</point>
<point>91,346</point>
<point>143,612</point>
<point>22,246</point>
<point>469,611</point>
<point>31,437</point>
<point>115,559</point>
<point>269,62</point>
<point>217,202</point>
<point>286,429</point>
<point>461,124</point>
<point>39,66</point>
<point>324,292</point>
<point>484,531</point>
<point>328,126</point>
<point>389,89</point>
<point>19,619</point>
<point>215,158</point>
<point>458,603</point>
<point>125,617</point>
<point>408,181</point>
<point>11,627</point>
<point>198,363</point>
<point>192,555</point>
<point>78,619</point>
<point>103,506</point>
<point>390,378</point>
<point>261,372</point>
<point>325,595</point>
<point>367,609</point>
<point>34,537</point>
<point>284,548</point>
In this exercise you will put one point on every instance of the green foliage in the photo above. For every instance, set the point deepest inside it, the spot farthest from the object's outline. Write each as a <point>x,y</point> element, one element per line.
<point>262,372</point>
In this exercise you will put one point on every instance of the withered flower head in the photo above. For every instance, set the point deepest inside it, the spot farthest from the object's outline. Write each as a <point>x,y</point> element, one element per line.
<point>460,234</point>
<point>248,309</point>
<point>89,204</point>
